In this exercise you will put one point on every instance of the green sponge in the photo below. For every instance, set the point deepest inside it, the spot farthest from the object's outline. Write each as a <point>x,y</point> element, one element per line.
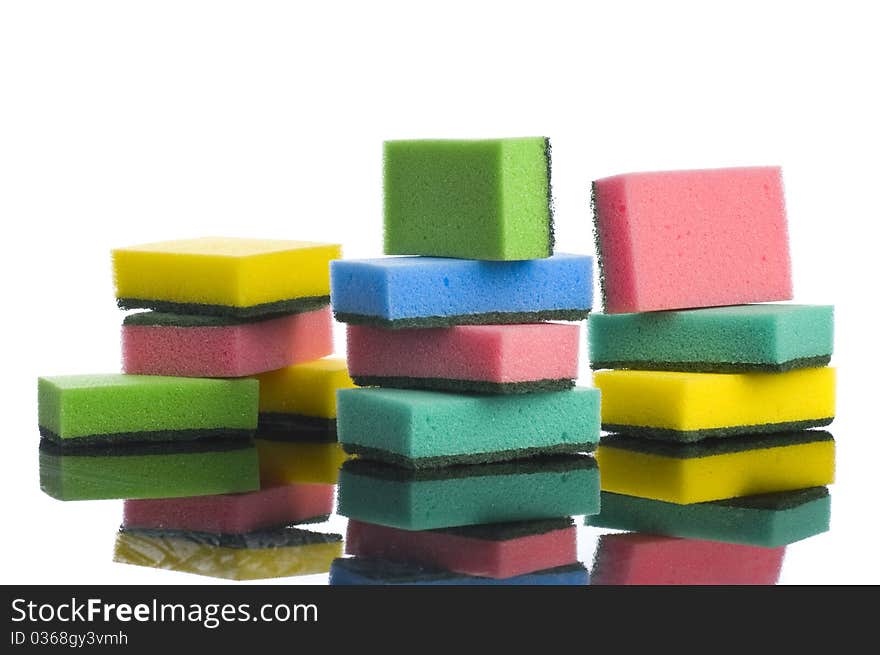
<point>770,520</point>
<point>523,490</point>
<point>148,470</point>
<point>764,337</point>
<point>481,199</point>
<point>426,429</point>
<point>116,408</point>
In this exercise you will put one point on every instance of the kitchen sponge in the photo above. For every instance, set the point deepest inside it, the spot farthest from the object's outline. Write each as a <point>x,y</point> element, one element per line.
<point>400,292</point>
<point>682,406</point>
<point>224,276</point>
<point>680,239</point>
<point>426,429</point>
<point>764,337</point>
<point>126,408</point>
<point>478,199</point>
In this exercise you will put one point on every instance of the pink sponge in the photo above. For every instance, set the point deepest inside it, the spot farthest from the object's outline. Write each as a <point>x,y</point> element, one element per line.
<point>643,559</point>
<point>495,358</point>
<point>233,513</point>
<point>500,550</point>
<point>154,343</point>
<point>680,239</point>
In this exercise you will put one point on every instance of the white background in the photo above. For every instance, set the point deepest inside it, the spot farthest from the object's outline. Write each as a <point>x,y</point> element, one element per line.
<point>128,122</point>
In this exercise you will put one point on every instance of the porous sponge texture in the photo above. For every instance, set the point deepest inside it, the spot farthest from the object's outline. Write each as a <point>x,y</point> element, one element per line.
<point>156,474</point>
<point>769,337</point>
<point>372,571</point>
<point>435,291</point>
<point>485,353</point>
<point>222,272</point>
<point>686,406</point>
<point>540,488</point>
<point>277,554</point>
<point>476,199</point>
<point>718,470</point>
<point>77,406</point>
<point>701,238</point>
<point>234,350</point>
<point>768,520</point>
<point>427,429</point>
<point>641,559</point>
<point>457,550</point>
<point>233,513</point>
<point>283,462</point>
<point>307,389</point>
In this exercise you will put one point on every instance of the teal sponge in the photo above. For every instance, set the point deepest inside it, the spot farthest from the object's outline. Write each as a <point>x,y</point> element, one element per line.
<point>479,199</point>
<point>769,520</point>
<point>522,490</point>
<point>425,429</point>
<point>117,408</point>
<point>764,337</point>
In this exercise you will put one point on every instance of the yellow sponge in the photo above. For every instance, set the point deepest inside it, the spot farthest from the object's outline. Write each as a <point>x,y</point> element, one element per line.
<point>287,462</point>
<point>224,276</point>
<point>306,389</point>
<point>692,406</point>
<point>715,470</point>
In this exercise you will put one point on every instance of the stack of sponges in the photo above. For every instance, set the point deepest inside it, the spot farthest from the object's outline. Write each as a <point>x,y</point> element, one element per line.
<point>709,399</point>
<point>174,434</point>
<point>470,439</point>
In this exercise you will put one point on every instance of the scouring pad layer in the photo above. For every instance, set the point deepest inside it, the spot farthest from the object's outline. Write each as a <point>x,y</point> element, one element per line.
<point>286,462</point>
<point>523,490</point>
<point>716,470</point>
<point>766,337</point>
<point>257,555</point>
<point>685,239</point>
<point>500,550</point>
<point>233,513</point>
<point>224,276</point>
<point>206,346</point>
<point>127,408</point>
<point>481,358</point>
<point>370,571</point>
<point>641,559</point>
<point>406,292</point>
<point>148,470</point>
<point>298,403</point>
<point>768,520</point>
<point>683,406</point>
<point>475,199</point>
<point>426,429</point>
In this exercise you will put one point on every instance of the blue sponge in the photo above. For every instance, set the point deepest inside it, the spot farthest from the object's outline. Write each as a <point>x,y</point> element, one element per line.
<point>400,292</point>
<point>368,571</point>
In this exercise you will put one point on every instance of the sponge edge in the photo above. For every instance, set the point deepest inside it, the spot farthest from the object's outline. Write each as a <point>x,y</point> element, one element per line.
<point>730,239</point>
<point>252,556</point>
<point>371,571</point>
<point>478,199</point>
<point>168,344</point>
<point>640,559</point>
